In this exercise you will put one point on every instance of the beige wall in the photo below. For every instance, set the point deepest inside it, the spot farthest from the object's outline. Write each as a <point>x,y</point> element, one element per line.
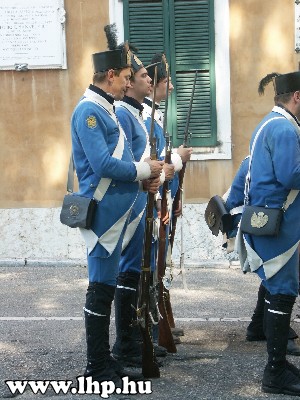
<point>35,113</point>
<point>261,42</point>
<point>36,105</point>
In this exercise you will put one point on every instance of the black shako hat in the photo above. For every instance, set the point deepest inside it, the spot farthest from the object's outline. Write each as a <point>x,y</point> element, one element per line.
<point>112,59</point>
<point>136,63</point>
<point>117,57</point>
<point>287,83</point>
<point>159,60</point>
<point>283,83</point>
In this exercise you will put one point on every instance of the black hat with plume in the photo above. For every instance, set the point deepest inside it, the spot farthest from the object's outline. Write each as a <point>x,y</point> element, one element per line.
<point>283,83</point>
<point>160,60</point>
<point>136,63</point>
<point>117,57</point>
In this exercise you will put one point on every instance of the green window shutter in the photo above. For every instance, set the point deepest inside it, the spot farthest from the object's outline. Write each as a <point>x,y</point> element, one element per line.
<point>192,36</point>
<point>184,30</point>
<point>144,27</point>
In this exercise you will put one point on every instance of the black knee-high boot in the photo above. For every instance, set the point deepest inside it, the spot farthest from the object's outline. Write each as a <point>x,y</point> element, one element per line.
<point>293,348</point>
<point>126,348</point>
<point>255,329</point>
<point>97,319</point>
<point>278,377</point>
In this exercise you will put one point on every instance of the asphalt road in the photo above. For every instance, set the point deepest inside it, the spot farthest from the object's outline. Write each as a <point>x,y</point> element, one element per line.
<point>42,334</point>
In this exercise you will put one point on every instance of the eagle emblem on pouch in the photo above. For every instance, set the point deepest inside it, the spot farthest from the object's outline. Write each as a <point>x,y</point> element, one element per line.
<point>259,220</point>
<point>91,122</point>
<point>211,219</point>
<point>74,210</point>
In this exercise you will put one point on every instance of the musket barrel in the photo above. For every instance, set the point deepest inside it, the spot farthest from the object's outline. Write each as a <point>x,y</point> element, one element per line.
<point>178,196</point>
<point>188,118</point>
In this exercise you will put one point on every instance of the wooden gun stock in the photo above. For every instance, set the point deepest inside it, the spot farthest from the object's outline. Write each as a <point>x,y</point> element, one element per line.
<point>150,368</point>
<point>177,201</point>
<point>165,337</point>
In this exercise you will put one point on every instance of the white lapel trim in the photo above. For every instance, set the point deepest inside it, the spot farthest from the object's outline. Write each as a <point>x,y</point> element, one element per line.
<point>135,112</point>
<point>288,116</point>
<point>131,228</point>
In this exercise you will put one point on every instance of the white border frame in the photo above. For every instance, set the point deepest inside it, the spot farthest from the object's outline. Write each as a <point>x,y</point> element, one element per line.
<point>297,26</point>
<point>26,65</point>
<point>222,73</point>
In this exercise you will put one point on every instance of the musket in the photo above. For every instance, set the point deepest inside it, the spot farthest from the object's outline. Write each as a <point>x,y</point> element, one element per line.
<point>150,367</point>
<point>178,196</point>
<point>165,337</point>
<point>178,200</point>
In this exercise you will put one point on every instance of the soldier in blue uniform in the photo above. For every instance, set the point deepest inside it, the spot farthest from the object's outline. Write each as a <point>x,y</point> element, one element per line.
<point>234,200</point>
<point>274,172</point>
<point>182,155</point>
<point>106,170</point>
<point>127,348</point>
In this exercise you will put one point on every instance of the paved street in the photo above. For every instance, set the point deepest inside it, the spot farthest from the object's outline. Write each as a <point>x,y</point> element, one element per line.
<point>42,333</point>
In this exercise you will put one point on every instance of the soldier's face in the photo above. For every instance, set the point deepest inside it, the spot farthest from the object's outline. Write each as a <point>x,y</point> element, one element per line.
<point>142,83</point>
<point>121,83</point>
<point>297,104</point>
<point>161,89</point>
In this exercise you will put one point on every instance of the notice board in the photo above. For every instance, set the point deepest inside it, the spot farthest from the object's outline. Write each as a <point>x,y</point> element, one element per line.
<point>32,34</point>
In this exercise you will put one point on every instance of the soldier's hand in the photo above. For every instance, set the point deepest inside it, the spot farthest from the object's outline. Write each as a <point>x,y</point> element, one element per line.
<point>166,219</point>
<point>151,185</point>
<point>155,167</point>
<point>169,171</point>
<point>185,153</point>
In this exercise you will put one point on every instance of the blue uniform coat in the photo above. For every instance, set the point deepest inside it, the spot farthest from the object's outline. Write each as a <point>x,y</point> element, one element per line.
<point>106,170</point>
<point>133,125</point>
<point>275,170</point>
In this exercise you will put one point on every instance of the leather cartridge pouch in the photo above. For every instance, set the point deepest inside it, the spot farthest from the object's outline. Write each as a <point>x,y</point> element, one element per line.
<point>261,221</point>
<point>77,211</point>
<point>217,216</point>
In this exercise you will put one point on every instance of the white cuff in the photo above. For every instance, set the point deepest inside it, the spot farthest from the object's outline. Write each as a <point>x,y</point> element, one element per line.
<point>176,160</point>
<point>226,195</point>
<point>162,177</point>
<point>143,170</point>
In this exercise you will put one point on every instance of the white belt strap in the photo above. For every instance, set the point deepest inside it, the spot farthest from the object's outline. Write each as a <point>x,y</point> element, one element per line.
<point>290,199</point>
<point>105,182</point>
<point>292,194</point>
<point>248,178</point>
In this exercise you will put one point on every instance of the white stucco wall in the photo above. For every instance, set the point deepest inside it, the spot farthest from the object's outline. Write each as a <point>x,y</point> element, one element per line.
<point>35,235</point>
